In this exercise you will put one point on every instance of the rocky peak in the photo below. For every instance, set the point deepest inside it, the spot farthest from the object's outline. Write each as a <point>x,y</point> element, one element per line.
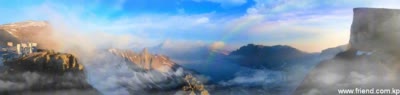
<point>375,29</point>
<point>145,60</point>
<point>47,61</point>
<point>145,52</point>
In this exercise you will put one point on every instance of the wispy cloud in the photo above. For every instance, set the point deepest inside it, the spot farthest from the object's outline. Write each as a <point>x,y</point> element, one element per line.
<point>308,25</point>
<point>226,3</point>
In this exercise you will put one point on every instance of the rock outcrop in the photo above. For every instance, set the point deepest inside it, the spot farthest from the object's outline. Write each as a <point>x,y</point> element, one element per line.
<point>147,73</point>
<point>44,72</point>
<point>371,60</point>
<point>375,29</point>
<point>145,60</point>
<point>46,61</point>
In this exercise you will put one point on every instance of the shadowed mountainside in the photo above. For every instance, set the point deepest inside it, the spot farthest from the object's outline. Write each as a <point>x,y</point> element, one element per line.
<point>269,57</point>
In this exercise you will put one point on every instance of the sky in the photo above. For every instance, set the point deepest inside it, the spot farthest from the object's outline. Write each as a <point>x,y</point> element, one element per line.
<point>309,25</point>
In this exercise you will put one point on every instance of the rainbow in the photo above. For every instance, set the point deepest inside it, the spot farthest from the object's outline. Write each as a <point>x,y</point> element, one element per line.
<point>235,29</point>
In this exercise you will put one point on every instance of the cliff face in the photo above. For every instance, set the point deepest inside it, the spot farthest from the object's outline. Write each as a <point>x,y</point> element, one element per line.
<point>47,62</point>
<point>145,60</point>
<point>370,62</point>
<point>144,73</point>
<point>375,29</point>
<point>44,72</point>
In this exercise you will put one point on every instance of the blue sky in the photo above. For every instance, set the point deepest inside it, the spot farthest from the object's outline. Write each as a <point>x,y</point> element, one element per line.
<point>310,25</point>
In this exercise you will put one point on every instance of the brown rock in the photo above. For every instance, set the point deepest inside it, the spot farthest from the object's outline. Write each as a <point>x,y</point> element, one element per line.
<point>47,61</point>
<point>145,60</point>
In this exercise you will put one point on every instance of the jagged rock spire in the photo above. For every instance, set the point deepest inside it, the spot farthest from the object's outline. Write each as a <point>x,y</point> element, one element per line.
<point>146,59</point>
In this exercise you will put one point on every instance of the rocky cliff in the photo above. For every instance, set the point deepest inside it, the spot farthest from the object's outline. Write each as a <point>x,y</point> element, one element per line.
<point>46,61</point>
<point>375,29</point>
<point>371,61</point>
<point>44,72</point>
<point>151,73</point>
<point>145,60</point>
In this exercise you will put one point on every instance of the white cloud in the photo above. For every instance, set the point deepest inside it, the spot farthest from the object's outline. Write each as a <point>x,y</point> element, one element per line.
<point>313,92</point>
<point>361,79</point>
<point>217,45</point>
<point>202,20</point>
<point>256,78</point>
<point>329,78</point>
<point>226,3</point>
<point>111,75</point>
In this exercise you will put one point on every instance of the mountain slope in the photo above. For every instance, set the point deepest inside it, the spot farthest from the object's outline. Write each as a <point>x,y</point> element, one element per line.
<point>129,72</point>
<point>29,31</point>
<point>145,60</point>
<point>270,57</point>
<point>44,72</point>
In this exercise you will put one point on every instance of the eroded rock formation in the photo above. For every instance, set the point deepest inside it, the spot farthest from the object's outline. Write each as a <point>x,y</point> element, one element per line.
<point>44,72</point>
<point>46,61</point>
<point>375,29</point>
<point>145,60</point>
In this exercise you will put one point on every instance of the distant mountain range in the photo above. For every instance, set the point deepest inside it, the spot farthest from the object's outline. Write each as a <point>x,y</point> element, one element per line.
<point>252,62</point>
<point>269,57</point>
<point>162,68</point>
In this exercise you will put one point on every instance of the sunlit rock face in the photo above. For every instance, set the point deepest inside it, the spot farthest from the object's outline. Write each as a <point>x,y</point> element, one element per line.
<point>126,72</point>
<point>145,60</point>
<point>28,31</point>
<point>371,60</point>
<point>375,29</point>
<point>46,61</point>
<point>44,73</point>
